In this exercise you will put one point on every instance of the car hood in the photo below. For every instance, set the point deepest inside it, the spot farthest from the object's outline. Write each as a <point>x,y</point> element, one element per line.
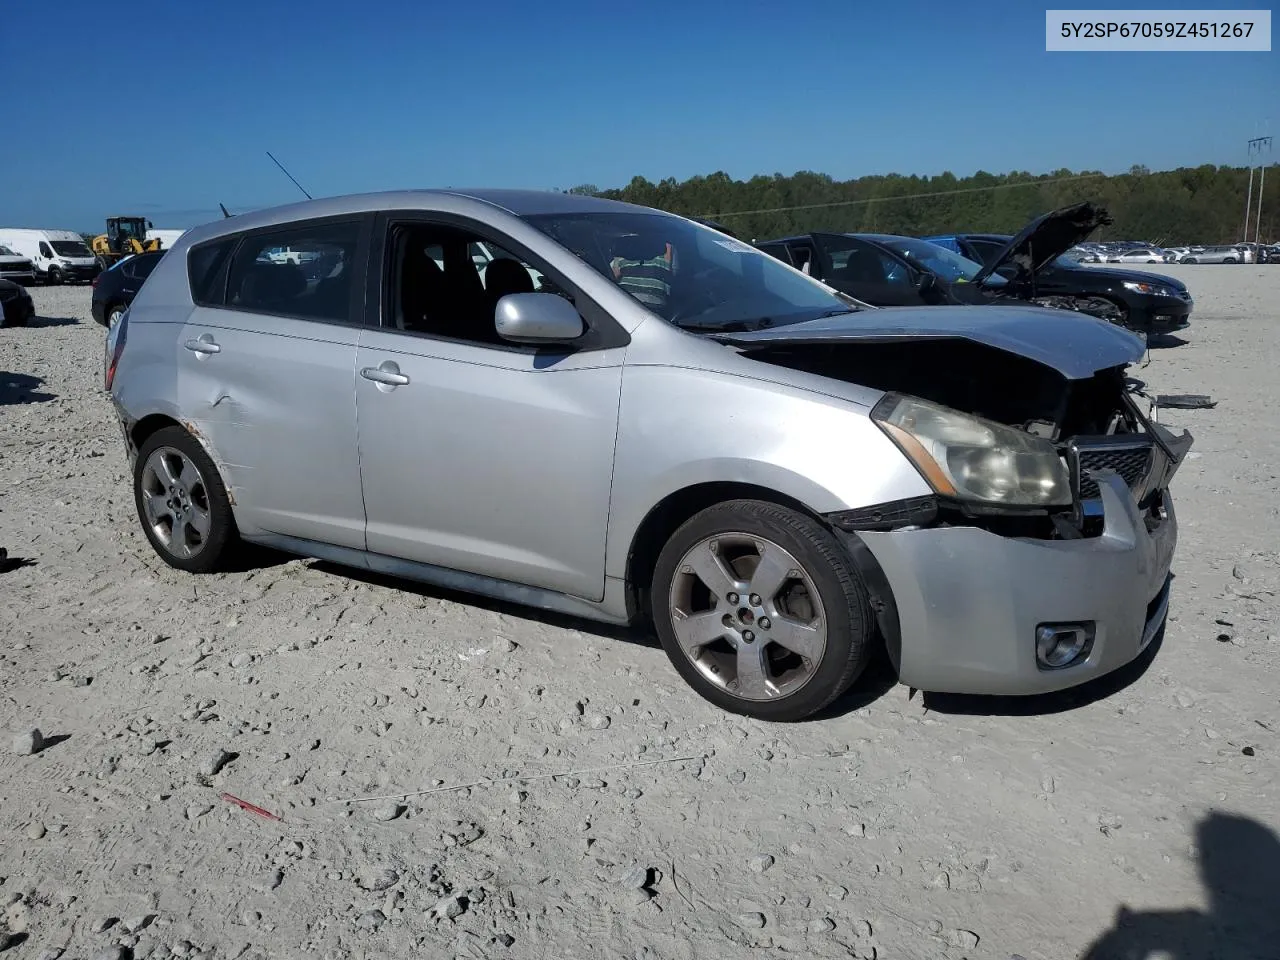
<point>1075,345</point>
<point>1046,238</point>
<point>1129,276</point>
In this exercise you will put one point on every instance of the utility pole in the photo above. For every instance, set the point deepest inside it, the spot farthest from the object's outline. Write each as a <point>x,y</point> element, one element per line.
<point>1257,147</point>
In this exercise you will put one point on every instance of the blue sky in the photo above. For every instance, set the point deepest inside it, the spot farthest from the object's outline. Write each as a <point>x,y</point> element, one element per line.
<point>165,109</point>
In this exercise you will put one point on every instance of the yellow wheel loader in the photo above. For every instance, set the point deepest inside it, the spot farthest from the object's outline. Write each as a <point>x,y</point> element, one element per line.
<point>124,236</point>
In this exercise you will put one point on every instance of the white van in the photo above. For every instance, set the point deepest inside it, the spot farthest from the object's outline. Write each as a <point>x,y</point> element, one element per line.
<point>167,238</point>
<point>58,255</point>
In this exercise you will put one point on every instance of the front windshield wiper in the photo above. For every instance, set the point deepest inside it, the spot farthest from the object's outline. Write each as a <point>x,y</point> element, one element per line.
<point>727,326</point>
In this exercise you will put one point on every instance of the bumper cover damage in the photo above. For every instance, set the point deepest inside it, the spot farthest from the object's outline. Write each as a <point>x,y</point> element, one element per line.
<point>969,601</point>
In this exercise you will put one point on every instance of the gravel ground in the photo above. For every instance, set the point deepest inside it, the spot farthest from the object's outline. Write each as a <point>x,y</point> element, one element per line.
<point>1124,819</point>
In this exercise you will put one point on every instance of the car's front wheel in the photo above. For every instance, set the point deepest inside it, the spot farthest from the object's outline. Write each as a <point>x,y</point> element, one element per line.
<point>182,503</point>
<point>114,313</point>
<point>54,277</point>
<point>761,610</point>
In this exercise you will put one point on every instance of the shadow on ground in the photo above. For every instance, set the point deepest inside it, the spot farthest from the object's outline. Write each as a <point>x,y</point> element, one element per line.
<point>52,322</point>
<point>1240,869</point>
<point>1165,341</point>
<point>642,637</point>
<point>21,388</point>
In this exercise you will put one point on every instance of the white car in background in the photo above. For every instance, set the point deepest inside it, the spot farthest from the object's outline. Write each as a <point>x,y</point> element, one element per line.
<point>1140,255</point>
<point>1222,253</point>
<point>15,267</point>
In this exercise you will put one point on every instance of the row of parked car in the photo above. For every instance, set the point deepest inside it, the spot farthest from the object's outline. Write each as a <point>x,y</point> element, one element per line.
<point>1037,265</point>
<point>1142,252</point>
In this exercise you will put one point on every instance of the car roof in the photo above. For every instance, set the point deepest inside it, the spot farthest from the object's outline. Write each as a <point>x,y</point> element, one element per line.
<point>520,203</point>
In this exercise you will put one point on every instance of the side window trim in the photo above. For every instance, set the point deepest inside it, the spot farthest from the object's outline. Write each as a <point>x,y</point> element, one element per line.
<point>603,332</point>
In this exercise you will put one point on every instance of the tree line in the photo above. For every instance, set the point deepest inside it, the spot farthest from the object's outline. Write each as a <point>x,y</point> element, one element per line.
<point>1202,204</point>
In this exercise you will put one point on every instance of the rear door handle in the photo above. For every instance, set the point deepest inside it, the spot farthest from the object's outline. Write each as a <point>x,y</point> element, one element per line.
<point>387,372</point>
<point>203,344</point>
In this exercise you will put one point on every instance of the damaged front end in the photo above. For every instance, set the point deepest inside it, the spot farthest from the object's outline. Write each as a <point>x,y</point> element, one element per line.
<point>1057,435</point>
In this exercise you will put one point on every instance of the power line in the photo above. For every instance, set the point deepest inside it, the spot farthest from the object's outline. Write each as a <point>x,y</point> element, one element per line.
<point>909,196</point>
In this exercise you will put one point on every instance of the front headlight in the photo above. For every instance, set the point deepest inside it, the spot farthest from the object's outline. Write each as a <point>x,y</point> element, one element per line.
<point>1154,289</point>
<point>972,459</point>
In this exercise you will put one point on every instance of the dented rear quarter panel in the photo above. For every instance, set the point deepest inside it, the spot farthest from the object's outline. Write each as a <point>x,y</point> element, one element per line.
<point>276,409</point>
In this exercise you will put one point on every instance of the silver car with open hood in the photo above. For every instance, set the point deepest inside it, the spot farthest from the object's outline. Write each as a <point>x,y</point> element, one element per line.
<point>629,416</point>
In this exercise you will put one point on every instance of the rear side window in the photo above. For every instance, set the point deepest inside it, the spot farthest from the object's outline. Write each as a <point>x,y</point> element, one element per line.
<point>207,271</point>
<point>140,268</point>
<point>303,272</point>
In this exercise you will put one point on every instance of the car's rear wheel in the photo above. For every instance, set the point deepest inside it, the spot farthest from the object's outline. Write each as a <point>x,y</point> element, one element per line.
<point>1230,260</point>
<point>182,502</point>
<point>760,609</point>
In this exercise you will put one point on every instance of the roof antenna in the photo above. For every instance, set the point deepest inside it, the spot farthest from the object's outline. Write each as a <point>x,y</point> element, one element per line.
<point>290,176</point>
<point>224,211</point>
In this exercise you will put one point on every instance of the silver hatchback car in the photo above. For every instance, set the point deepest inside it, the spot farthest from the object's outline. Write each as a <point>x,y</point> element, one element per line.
<point>614,412</point>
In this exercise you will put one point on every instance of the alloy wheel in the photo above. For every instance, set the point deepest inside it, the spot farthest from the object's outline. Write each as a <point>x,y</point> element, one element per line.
<point>748,616</point>
<point>175,502</point>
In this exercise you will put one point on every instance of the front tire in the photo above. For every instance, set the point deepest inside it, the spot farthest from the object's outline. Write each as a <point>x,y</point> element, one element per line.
<point>113,315</point>
<point>182,503</point>
<point>760,609</point>
<point>53,277</point>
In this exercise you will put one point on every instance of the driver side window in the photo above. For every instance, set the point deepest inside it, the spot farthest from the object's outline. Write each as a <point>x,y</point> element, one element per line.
<point>446,282</point>
<point>865,264</point>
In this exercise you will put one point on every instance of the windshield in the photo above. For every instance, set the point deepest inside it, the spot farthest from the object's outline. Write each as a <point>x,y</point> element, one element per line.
<point>70,248</point>
<point>6,252</point>
<point>693,276</point>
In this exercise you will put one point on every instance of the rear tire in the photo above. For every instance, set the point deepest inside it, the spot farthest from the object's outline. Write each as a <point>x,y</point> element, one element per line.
<point>182,503</point>
<point>761,610</point>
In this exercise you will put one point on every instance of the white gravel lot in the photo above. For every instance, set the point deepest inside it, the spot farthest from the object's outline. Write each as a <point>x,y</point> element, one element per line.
<point>1136,817</point>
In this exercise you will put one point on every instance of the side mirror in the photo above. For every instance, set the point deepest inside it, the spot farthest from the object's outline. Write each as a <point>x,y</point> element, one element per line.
<point>150,225</point>
<point>537,318</point>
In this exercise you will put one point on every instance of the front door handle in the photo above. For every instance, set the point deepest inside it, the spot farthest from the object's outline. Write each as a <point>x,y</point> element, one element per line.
<point>387,373</point>
<point>203,344</point>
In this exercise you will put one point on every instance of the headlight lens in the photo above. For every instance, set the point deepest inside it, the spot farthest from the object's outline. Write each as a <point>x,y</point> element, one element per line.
<point>972,459</point>
<point>1155,289</point>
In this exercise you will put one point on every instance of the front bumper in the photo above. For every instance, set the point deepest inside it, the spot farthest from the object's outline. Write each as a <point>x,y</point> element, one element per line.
<point>1151,314</point>
<point>969,601</point>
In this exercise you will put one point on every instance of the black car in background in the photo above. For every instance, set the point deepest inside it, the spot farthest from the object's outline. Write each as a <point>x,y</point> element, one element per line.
<point>16,303</point>
<point>1145,301</point>
<point>885,270</point>
<point>115,288</point>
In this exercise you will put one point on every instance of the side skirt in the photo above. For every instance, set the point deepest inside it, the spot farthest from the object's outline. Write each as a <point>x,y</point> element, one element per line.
<point>612,609</point>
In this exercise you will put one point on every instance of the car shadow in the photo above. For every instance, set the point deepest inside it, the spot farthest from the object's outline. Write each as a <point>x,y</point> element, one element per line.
<point>1240,869</point>
<point>8,563</point>
<point>21,388</point>
<point>1044,704</point>
<point>253,556</point>
<point>1165,341</point>
<point>641,636</point>
<point>52,321</point>
<point>877,679</point>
